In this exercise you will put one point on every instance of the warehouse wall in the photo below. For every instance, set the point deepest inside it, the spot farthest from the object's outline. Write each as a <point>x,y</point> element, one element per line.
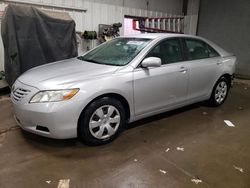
<point>191,19</point>
<point>170,6</point>
<point>227,23</point>
<point>105,12</point>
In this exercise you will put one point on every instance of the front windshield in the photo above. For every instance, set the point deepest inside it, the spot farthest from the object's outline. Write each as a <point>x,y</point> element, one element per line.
<point>118,52</point>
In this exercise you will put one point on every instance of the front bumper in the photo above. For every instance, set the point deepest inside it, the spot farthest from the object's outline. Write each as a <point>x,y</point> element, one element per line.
<point>57,119</point>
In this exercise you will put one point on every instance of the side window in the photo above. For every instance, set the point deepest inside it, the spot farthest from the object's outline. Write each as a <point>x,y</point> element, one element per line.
<point>212,52</point>
<point>169,51</point>
<point>196,49</point>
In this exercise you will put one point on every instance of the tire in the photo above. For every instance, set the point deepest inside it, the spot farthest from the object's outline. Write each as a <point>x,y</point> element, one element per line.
<point>219,93</point>
<point>102,121</point>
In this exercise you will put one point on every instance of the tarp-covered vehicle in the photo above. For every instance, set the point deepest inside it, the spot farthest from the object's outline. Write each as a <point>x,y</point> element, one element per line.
<point>33,37</point>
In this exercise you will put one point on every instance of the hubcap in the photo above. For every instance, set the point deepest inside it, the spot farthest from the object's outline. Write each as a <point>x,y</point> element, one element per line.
<point>221,92</point>
<point>104,122</point>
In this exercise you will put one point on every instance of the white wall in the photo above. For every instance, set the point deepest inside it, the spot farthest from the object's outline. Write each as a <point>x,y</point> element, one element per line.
<point>191,19</point>
<point>128,27</point>
<point>170,6</point>
<point>1,53</point>
<point>106,12</point>
<point>1,43</point>
<point>110,11</point>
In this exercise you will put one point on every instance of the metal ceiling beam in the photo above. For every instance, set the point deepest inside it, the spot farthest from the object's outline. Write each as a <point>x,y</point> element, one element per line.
<point>45,5</point>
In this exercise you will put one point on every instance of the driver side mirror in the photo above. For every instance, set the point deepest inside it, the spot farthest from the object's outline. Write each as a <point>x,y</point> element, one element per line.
<point>151,62</point>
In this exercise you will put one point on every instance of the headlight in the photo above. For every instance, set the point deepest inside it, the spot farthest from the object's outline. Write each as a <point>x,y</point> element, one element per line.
<point>53,96</point>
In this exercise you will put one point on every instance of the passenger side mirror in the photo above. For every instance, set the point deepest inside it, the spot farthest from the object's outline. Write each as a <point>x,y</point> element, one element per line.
<point>151,62</point>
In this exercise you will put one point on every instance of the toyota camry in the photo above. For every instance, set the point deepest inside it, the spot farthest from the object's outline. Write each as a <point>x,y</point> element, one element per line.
<point>93,96</point>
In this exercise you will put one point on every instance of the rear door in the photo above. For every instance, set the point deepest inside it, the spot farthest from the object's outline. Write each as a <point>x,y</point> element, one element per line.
<point>204,65</point>
<point>161,87</point>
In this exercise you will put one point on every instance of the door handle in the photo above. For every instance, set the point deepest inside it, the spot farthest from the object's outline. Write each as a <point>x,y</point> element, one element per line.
<point>183,70</point>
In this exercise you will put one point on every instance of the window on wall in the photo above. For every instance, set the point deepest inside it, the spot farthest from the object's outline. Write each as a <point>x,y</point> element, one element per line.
<point>169,51</point>
<point>196,49</point>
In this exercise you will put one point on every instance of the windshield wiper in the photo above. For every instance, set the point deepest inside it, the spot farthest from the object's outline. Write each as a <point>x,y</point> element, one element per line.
<point>89,60</point>
<point>97,62</point>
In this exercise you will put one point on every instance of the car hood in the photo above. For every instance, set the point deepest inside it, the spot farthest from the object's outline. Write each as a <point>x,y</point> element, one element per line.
<point>64,73</point>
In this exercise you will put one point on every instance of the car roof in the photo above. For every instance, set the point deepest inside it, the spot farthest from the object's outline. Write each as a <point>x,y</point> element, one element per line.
<point>155,36</point>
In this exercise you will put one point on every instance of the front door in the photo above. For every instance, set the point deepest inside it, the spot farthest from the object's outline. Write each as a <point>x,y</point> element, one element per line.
<point>158,88</point>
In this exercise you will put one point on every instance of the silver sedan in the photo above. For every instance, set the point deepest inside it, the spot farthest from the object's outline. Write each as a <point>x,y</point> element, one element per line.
<point>129,78</point>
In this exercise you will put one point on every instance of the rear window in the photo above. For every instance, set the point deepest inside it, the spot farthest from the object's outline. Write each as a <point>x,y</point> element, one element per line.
<point>196,49</point>
<point>212,52</point>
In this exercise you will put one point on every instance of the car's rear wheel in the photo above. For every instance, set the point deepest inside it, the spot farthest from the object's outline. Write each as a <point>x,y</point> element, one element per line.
<point>102,121</point>
<point>220,92</point>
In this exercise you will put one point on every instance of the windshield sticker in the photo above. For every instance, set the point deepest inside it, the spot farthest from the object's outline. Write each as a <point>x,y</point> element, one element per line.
<point>135,42</point>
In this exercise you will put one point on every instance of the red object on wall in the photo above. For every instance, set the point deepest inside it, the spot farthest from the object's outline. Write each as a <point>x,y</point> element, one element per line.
<point>1,14</point>
<point>134,24</point>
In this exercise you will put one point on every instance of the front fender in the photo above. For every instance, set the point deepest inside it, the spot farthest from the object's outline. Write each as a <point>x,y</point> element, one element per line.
<point>120,84</point>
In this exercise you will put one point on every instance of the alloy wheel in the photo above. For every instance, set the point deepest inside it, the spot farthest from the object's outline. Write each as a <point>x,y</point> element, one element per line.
<point>221,92</point>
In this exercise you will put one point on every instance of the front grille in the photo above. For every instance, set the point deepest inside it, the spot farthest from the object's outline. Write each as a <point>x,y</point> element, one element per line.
<point>20,93</point>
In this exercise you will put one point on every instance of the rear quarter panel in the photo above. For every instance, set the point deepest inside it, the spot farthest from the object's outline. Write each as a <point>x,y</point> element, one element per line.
<point>229,64</point>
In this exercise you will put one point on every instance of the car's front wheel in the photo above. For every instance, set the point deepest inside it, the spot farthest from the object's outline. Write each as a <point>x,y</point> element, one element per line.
<point>220,92</point>
<point>102,121</point>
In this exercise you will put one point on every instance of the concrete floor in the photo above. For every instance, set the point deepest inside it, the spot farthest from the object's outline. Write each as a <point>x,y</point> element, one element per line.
<point>138,158</point>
